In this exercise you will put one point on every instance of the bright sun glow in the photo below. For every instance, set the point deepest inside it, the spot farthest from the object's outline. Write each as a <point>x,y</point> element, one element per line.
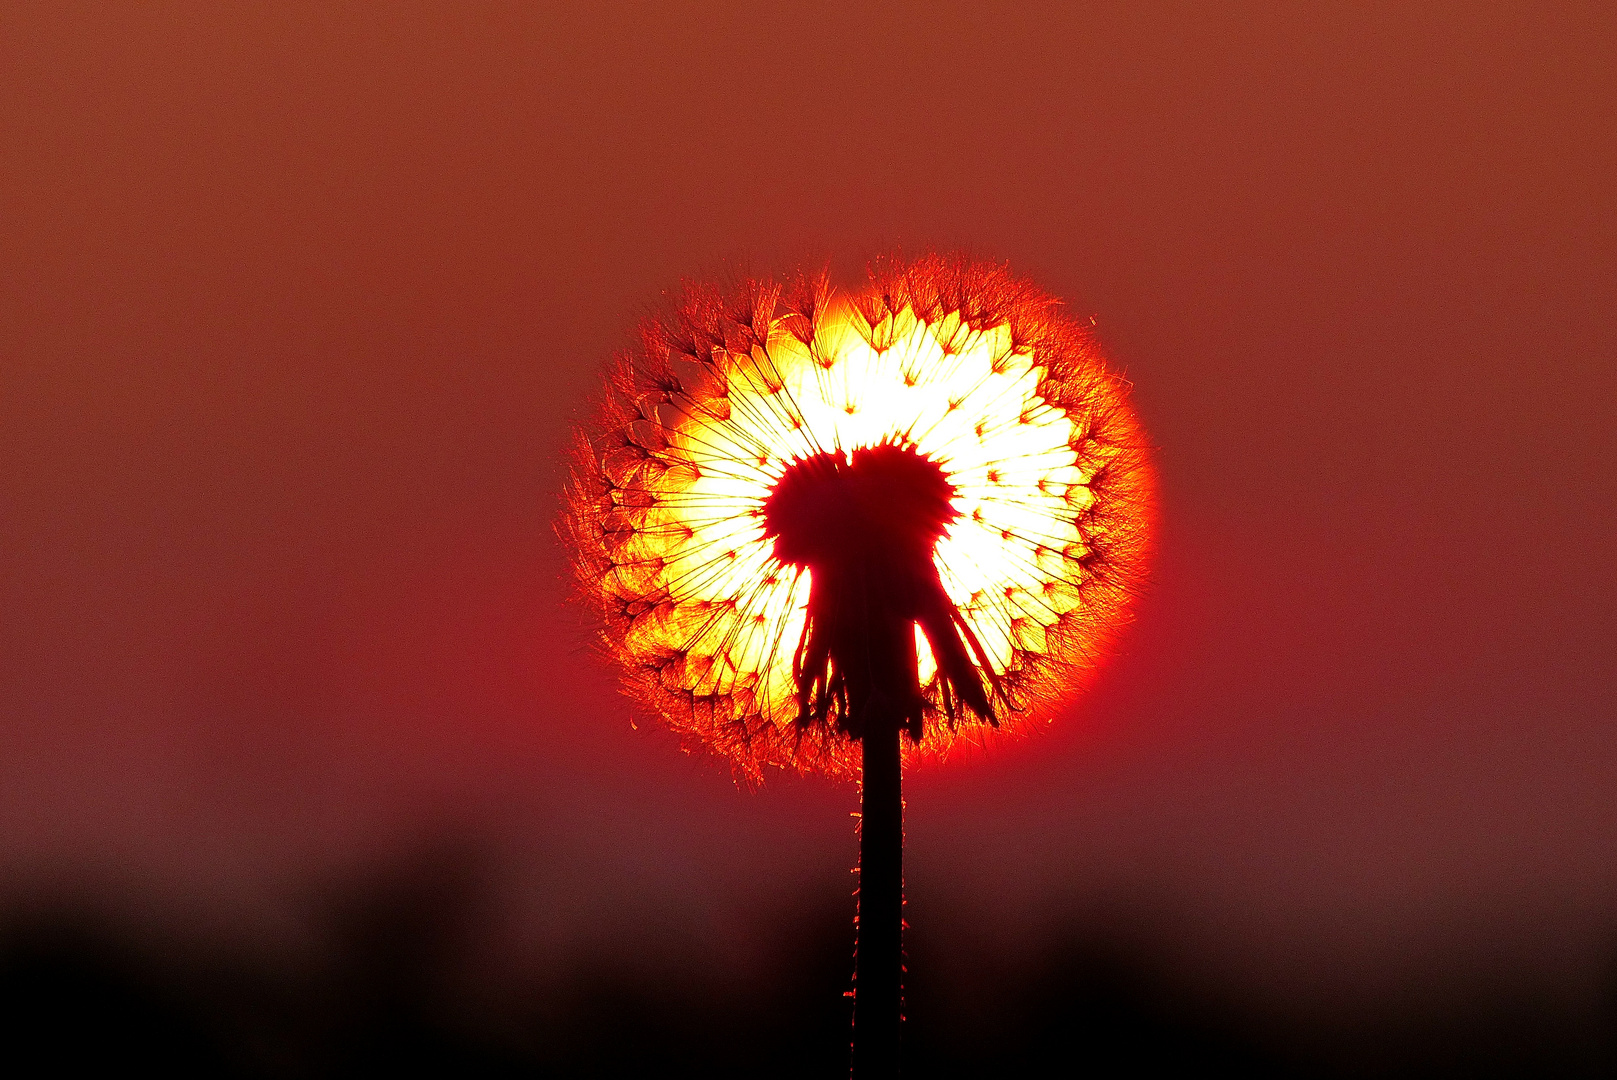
<point>960,362</point>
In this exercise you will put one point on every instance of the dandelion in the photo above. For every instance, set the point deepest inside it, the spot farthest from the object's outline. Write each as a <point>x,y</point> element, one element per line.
<point>842,532</point>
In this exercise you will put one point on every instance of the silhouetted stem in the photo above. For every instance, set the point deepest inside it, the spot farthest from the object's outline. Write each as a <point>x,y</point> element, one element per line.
<point>879,958</point>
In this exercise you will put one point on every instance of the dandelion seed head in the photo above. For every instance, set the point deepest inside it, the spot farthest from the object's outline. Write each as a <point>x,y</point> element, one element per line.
<point>1040,547</point>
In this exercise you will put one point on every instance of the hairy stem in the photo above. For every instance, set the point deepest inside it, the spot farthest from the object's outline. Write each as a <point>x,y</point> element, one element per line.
<point>879,959</point>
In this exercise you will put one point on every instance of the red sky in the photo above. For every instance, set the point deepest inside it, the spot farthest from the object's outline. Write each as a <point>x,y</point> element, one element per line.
<point>298,306</point>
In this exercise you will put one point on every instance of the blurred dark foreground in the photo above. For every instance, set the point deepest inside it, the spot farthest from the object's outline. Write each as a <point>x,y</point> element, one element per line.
<point>80,998</point>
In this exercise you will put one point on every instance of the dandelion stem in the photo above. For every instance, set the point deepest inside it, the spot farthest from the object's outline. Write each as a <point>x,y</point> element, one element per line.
<point>879,958</point>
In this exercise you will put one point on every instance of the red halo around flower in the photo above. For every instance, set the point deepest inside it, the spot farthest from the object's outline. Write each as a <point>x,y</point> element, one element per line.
<point>1039,551</point>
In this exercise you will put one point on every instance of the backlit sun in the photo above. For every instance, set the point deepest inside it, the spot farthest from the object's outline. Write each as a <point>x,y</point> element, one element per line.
<point>945,361</point>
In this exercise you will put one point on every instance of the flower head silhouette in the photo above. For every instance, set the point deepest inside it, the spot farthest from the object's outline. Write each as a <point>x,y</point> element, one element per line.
<point>790,494</point>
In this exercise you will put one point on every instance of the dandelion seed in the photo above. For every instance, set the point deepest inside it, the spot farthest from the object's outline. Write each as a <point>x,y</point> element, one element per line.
<point>813,521</point>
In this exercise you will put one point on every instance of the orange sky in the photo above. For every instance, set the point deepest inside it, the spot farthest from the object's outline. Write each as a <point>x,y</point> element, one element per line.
<point>297,306</point>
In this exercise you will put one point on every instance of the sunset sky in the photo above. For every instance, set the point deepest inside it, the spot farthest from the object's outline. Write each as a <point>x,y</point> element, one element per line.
<point>299,304</point>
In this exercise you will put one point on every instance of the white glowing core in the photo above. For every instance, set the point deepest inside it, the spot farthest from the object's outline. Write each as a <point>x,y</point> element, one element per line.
<point>965,398</point>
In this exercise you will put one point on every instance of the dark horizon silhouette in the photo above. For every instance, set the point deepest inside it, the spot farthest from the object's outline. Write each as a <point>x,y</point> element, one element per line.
<point>78,994</point>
